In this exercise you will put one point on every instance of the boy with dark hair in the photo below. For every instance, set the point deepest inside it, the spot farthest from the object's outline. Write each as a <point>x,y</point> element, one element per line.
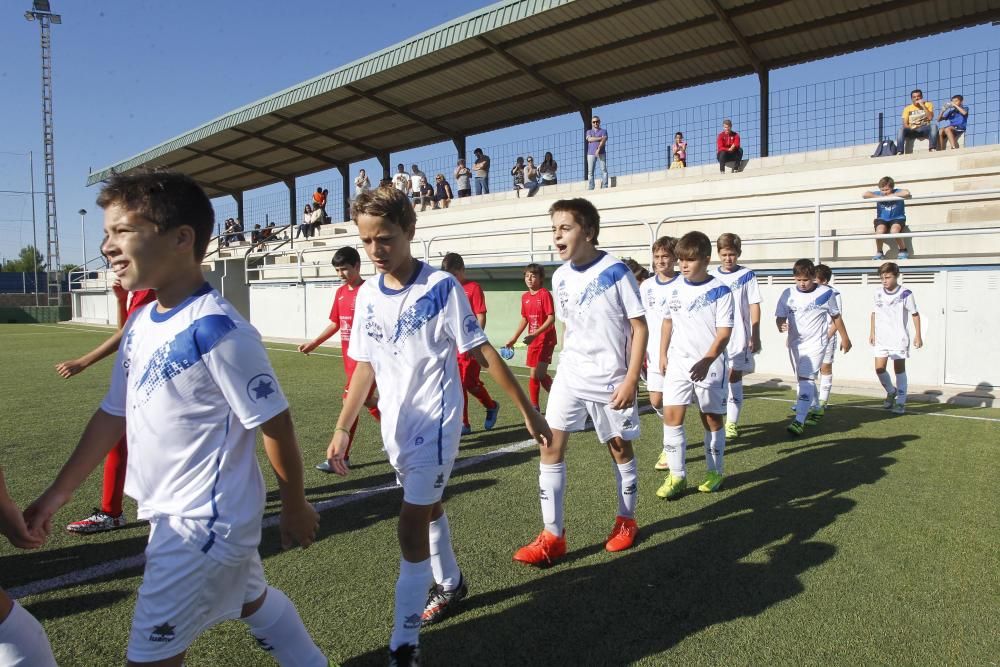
<point>415,320</point>
<point>890,335</point>
<point>468,366</point>
<point>195,383</point>
<point>806,312</point>
<point>597,299</point>
<point>890,214</point>
<point>655,294</point>
<point>697,324</point>
<point>538,315</point>
<point>956,115</point>
<point>823,276</point>
<point>744,342</point>
<point>347,263</point>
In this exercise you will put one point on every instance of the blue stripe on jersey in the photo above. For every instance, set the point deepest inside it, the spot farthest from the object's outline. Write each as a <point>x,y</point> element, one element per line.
<point>709,297</point>
<point>745,278</point>
<point>423,310</point>
<point>905,294</point>
<point>184,351</point>
<point>208,544</point>
<point>604,281</point>
<point>441,427</point>
<point>824,298</point>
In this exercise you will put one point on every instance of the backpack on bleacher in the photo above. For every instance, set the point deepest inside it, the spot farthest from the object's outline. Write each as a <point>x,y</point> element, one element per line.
<point>886,147</point>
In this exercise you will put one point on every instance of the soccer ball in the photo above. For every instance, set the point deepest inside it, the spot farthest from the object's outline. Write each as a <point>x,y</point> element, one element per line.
<point>507,353</point>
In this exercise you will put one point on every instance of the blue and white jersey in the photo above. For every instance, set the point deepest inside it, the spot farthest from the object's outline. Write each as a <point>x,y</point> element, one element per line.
<point>743,283</point>
<point>892,311</point>
<point>697,311</point>
<point>655,295</point>
<point>808,315</point>
<point>412,337</point>
<point>193,384</point>
<point>595,303</point>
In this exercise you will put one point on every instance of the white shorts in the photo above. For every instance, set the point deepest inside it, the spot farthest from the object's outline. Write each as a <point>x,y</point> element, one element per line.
<point>424,485</point>
<point>742,362</point>
<point>185,592</point>
<point>654,380</point>
<point>566,412</point>
<point>831,349</point>
<point>895,355</point>
<point>806,363</point>
<point>711,393</point>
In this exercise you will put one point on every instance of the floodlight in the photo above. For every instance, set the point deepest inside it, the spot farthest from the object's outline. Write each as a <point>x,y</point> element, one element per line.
<point>29,15</point>
<point>42,6</point>
<point>55,18</point>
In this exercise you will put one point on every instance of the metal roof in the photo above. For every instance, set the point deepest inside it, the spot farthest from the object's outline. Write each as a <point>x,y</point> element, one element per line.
<point>521,60</point>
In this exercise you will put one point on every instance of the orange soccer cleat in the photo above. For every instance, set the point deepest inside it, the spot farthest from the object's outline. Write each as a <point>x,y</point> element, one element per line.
<point>545,550</point>
<point>622,535</point>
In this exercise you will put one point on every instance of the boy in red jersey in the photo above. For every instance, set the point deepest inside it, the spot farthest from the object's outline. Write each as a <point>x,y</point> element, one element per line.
<point>347,263</point>
<point>538,314</point>
<point>110,515</point>
<point>468,367</point>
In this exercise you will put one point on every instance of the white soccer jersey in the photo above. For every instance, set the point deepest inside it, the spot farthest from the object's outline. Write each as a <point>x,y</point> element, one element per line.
<point>743,283</point>
<point>595,302</point>
<point>655,295</point>
<point>892,312</point>
<point>411,337</point>
<point>193,384</point>
<point>697,311</point>
<point>808,315</point>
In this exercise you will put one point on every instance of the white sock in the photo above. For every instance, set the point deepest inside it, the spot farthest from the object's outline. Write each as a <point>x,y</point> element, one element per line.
<point>825,387</point>
<point>715,444</point>
<point>411,597</point>
<point>279,631</point>
<point>807,389</point>
<point>735,402</point>
<point>901,386</point>
<point>23,641</point>
<point>443,563</point>
<point>883,377</point>
<point>627,475</point>
<point>675,446</point>
<point>552,487</point>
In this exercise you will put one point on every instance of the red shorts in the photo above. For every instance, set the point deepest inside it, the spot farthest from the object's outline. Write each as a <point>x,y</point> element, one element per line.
<point>468,370</point>
<point>540,354</point>
<point>349,366</point>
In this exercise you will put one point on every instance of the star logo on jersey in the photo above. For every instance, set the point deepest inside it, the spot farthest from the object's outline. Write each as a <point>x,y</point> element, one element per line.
<point>419,440</point>
<point>261,387</point>
<point>439,482</point>
<point>163,632</point>
<point>412,622</point>
<point>471,325</point>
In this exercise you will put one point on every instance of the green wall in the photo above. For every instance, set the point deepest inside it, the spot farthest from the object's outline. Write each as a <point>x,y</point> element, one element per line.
<point>503,313</point>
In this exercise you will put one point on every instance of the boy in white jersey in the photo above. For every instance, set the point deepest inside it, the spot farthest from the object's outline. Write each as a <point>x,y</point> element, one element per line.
<point>603,347</point>
<point>745,339</point>
<point>195,383</point>
<point>806,312</point>
<point>412,321</point>
<point>890,335</point>
<point>654,294</point>
<point>697,324</point>
<point>823,276</point>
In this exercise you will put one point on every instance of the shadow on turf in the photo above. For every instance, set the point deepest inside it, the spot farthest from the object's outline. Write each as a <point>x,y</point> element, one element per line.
<point>45,610</point>
<point>739,555</point>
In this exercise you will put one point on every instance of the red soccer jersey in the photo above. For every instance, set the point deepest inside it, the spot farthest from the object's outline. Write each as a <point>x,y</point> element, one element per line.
<point>342,312</point>
<point>476,297</point>
<point>138,299</point>
<point>536,308</point>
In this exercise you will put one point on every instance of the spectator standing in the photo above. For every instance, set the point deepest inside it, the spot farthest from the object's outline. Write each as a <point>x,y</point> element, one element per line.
<point>481,172</point>
<point>255,236</point>
<point>238,231</point>
<point>956,115</point>
<point>463,179</point>
<point>531,177</point>
<point>727,147</point>
<point>401,180</point>
<point>917,117</point>
<point>517,172</point>
<point>597,141</point>
<point>442,192</point>
<point>891,214</point>
<point>417,182</point>
<point>227,233</point>
<point>307,220</point>
<point>678,152</point>
<point>548,170</point>
<point>361,183</point>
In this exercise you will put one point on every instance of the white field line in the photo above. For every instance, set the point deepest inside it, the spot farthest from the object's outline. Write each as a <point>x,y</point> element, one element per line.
<point>909,411</point>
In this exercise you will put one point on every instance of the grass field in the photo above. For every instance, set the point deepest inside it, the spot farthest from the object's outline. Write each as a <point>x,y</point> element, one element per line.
<point>873,539</point>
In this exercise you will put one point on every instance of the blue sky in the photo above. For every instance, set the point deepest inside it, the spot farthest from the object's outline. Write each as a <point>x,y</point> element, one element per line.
<point>129,75</point>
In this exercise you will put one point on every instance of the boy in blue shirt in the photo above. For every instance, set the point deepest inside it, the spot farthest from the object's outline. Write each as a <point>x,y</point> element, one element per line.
<point>956,115</point>
<point>890,214</point>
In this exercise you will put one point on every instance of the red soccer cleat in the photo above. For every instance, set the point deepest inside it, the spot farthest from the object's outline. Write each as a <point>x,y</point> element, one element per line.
<point>544,551</point>
<point>622,535</point>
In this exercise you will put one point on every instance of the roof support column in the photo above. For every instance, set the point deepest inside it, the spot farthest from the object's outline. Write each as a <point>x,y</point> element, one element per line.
<point>765,109</point>
<point>383,159</point>
<point>238,197</point>
<point>459,142</point>
<point>586,113</point>
<point>345,177</point>
<point>292,209</point>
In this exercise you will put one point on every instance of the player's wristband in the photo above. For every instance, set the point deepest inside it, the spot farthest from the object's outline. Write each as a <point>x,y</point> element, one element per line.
<point>341,428</point>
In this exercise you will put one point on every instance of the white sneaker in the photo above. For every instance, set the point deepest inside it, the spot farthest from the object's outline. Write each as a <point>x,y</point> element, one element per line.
<point>890,400</point>
<point>899,409</point>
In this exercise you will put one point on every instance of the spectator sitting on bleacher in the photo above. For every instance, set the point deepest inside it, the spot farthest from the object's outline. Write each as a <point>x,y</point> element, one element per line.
<point>442,192</point>
<point>318,218</point>
<point>238,231</point>
<point>401,180</point>
<point>427,195</point>
<point>531,177</point>
<point>956,117</point>
<point>481,172</point>
<point>227,233</point>
<point>305,227</point>
<point>917,117</point>
<point>548,169</point>
<point>361,183</point>
<point>417,182</point>
<point>727,146</point>
<point>463,179</point>
<point>891,214</point>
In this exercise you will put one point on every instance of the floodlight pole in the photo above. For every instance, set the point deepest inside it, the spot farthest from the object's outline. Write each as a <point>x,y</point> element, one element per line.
<point>34,225</point>
<point>83,237</point>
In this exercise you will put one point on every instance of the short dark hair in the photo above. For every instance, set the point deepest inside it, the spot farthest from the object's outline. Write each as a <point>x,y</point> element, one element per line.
<point>916,90</point>
<point>960,98</point>
<point>639,272</point>
<point>668,243</point>
<point>168,199</point>
<point>478,150</point>
<point>346,256</point>
<point>730,240</point>
<point>536,269</point>
<point>388,203</point>
<point>584,214</point>
<point>889,267</point>
<point>886,180</point>
<point>452,262</point>
<point>824,272</point>
<point>694,245</point>
<point>804,268</point>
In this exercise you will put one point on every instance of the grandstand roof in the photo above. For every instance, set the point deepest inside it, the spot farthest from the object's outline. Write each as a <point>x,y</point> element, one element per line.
<point>520,60</point>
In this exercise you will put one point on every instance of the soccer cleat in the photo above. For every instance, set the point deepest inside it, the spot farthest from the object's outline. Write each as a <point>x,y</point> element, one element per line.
<point>622,535</point>
<point>98,522</point>
<point>466,429</point>
<point>814,417</point>
<point>713,481</point>
<point>672,487</point>
<point>440,602</point>
<point>890,400</point>
<point>732,430</point>
<point>661,463</point>
<point>491,416</point>
<point>407,655</point>
<point>795,428</point>
<point>899,409</point>
<point>545,550</point>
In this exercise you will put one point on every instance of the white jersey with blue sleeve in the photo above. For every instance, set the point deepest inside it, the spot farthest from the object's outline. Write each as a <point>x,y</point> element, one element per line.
<point>697,311</point>
<point>892,312</point>
<point>411,337</point>
<point>193,384</point>
<point>595,302</point>
<point>655,296</point>
<point>808,314</point>
<point>743,283</point>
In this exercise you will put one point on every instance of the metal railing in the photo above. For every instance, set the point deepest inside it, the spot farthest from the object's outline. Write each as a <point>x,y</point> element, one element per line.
<point>299,264</point>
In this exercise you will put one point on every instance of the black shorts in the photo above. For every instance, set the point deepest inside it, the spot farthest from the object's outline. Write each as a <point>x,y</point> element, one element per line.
<point>465,193</point>
<point>890,223</point>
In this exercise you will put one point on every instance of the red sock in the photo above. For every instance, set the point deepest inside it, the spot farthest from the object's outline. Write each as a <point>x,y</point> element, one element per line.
<point>483,396</point>
<point>354,427</point>
<point>375,413</point>
<point>465,408</point>
<point>547,382</point>
<point>533,388</point>
<point>114,479</point>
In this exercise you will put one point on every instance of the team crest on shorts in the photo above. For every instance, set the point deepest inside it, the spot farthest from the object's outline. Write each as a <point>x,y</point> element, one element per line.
<point>164,632</point>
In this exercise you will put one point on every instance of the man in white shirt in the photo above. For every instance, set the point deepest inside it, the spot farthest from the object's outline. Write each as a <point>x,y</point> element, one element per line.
<point>401,180</point>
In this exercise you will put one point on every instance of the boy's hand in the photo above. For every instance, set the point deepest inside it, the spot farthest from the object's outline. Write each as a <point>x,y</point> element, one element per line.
<point>335,452</point>
<point>846,345</point>
<point>871,339</point>
<point>13,527</point>
<point>529,338</point>
<point>38,516</point>
<point>699,371</point>
<point>68,369</point>
<point>538,428</point>
<point>663,366</point>
<point>120,292</point>
<point>306,348</point>
<point>755,345</point>
<point>299,523</point>
<point>918,341</point>
<point>623,396</point>
<point>511,342</point>
<point>783,327</point>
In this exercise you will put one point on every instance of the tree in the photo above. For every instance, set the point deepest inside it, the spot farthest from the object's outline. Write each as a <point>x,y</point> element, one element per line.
<point>27,260</point>
<point>67,268</point>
